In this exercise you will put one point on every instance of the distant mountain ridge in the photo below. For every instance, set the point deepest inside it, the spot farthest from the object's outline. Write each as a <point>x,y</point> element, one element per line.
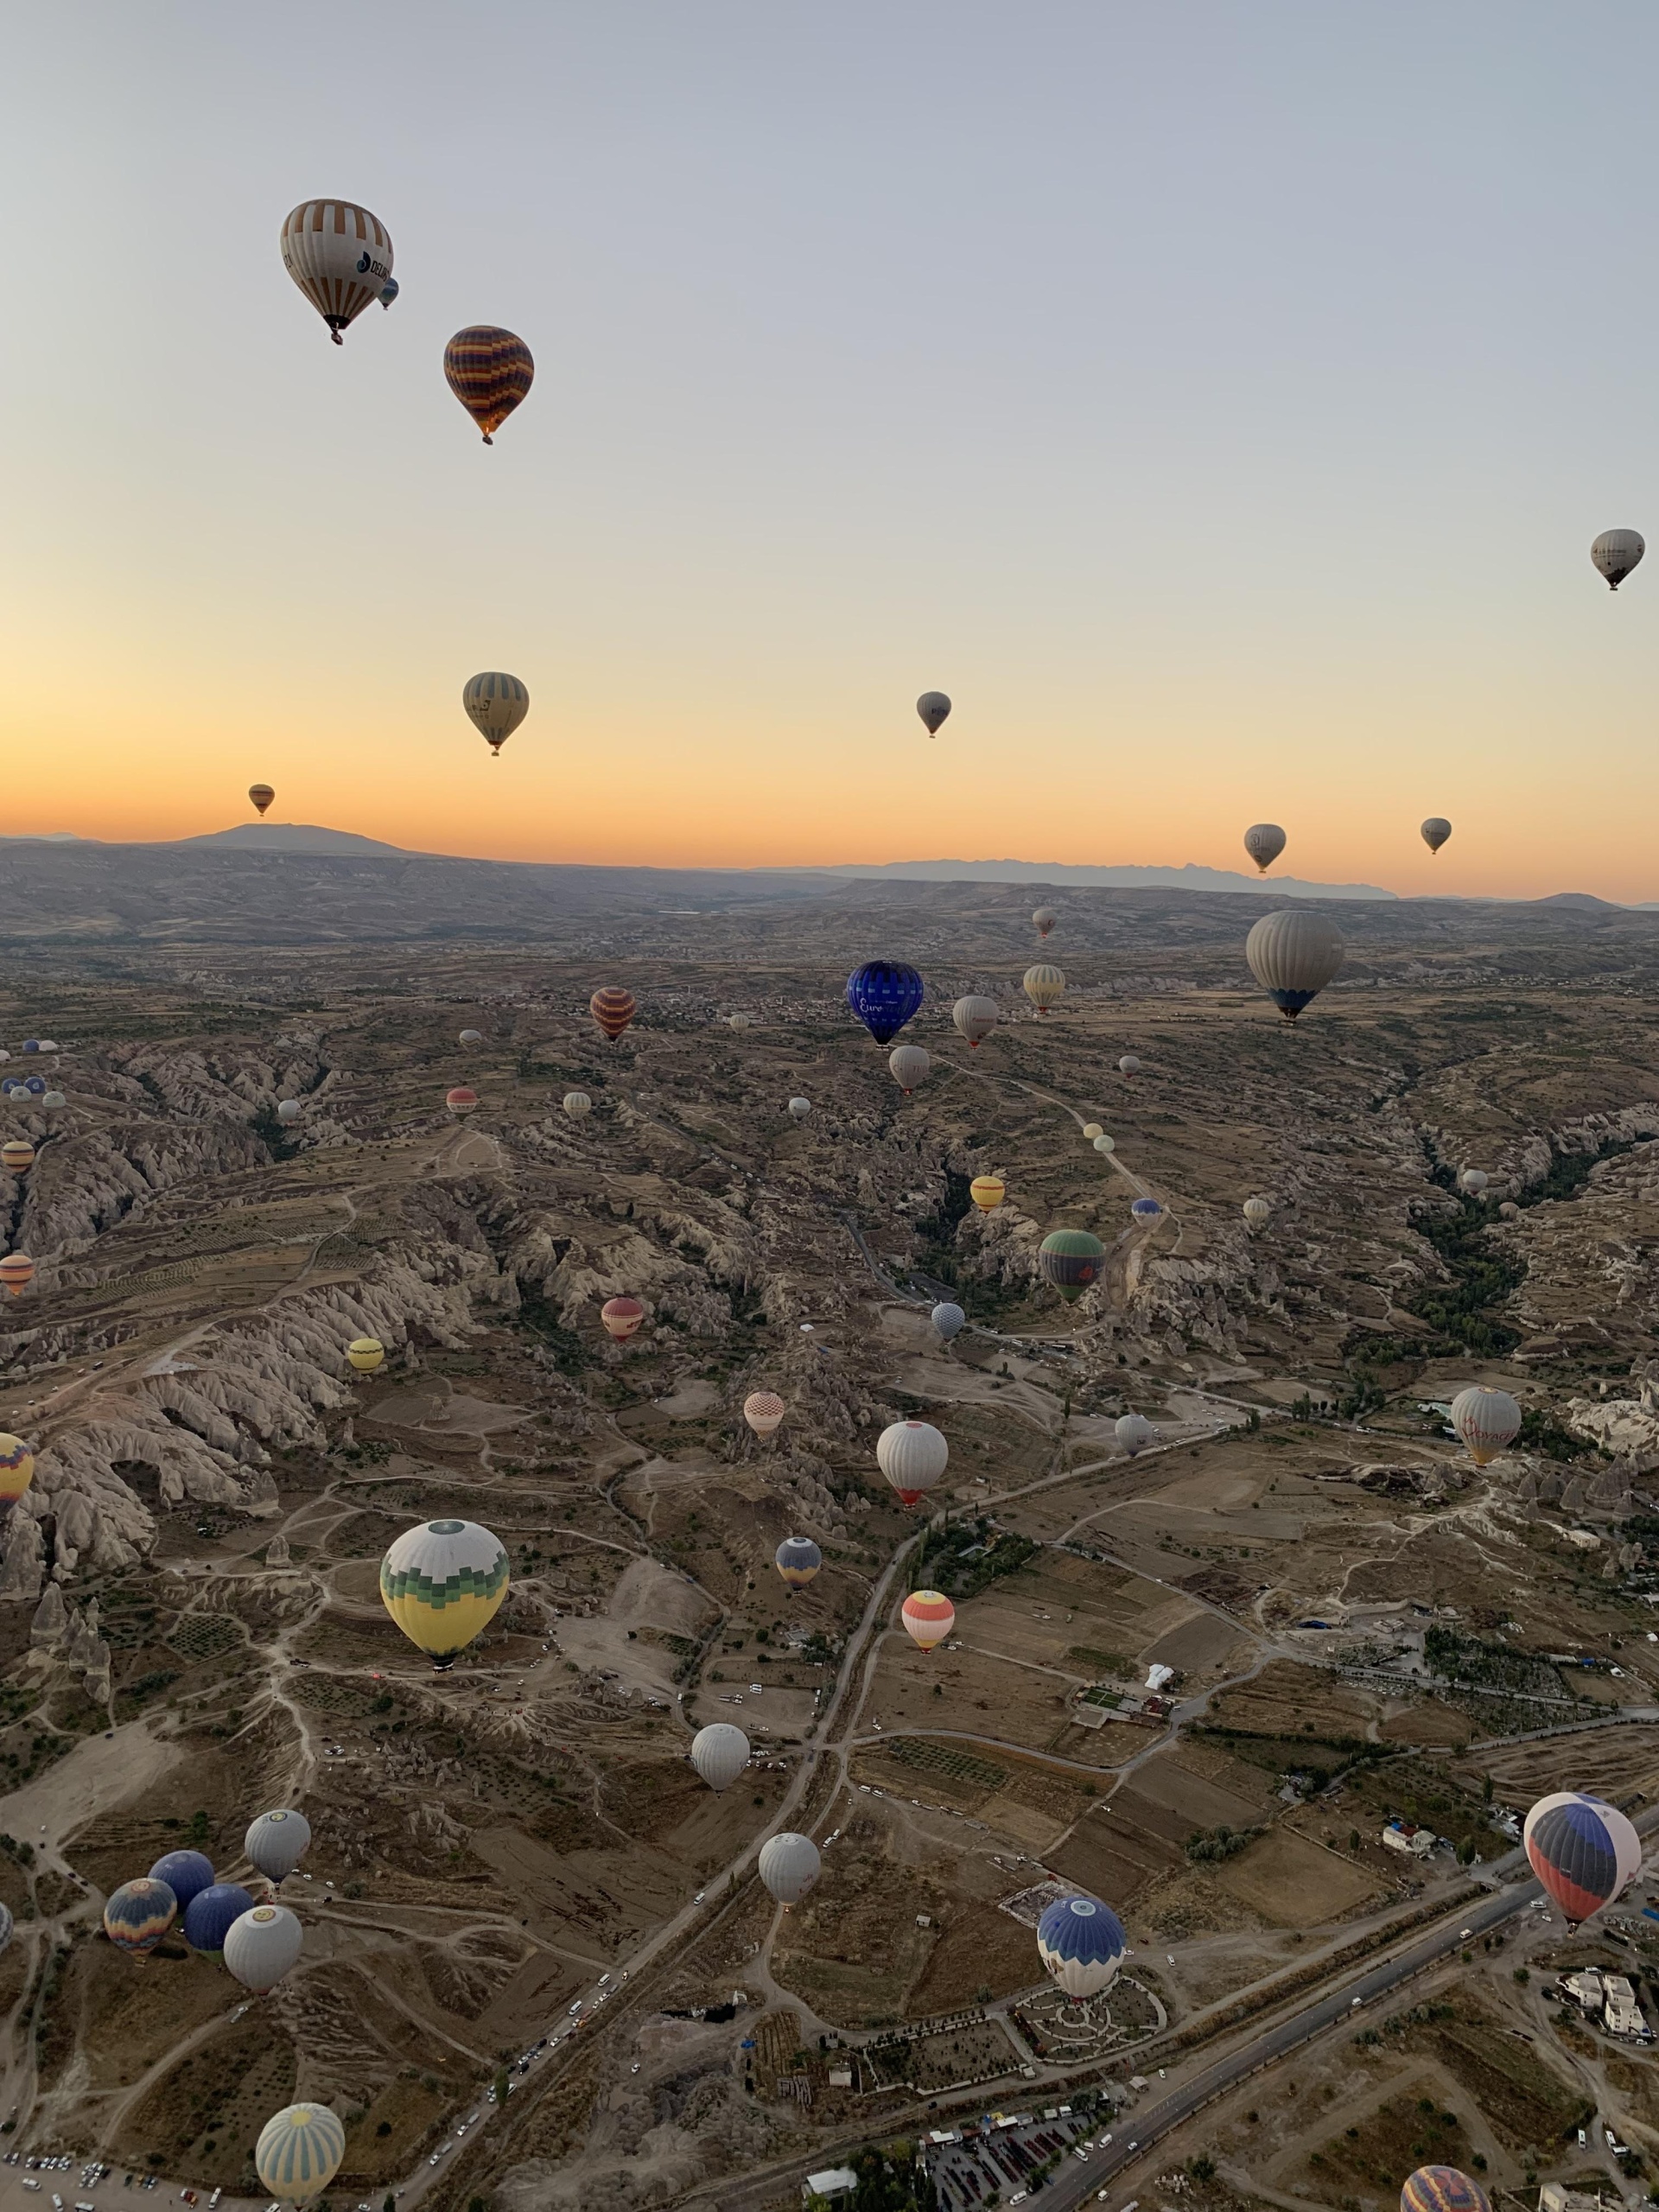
<point>300,837</point>
<point>1127,877</point>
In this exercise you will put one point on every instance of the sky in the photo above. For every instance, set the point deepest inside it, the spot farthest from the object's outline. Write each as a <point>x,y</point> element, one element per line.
<point>1217,401</point>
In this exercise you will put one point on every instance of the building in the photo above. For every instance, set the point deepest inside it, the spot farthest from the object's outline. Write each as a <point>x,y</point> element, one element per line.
<point>1620,2013</point>
<point>834,2185</point>
<point>1553,2197</point>
<point>1404,1837</point>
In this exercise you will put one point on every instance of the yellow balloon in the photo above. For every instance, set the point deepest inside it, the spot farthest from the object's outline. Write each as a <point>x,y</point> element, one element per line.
<point>444,1582</point>
<point>366,1354</point>
<point>987,1193</point>
<point>16,1468</point>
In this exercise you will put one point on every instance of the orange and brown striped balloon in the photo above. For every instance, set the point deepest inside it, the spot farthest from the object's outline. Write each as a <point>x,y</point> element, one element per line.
<point>262,795</point>
<point>612,1009</point>
<point>339,256</point>
<point>490,371</point>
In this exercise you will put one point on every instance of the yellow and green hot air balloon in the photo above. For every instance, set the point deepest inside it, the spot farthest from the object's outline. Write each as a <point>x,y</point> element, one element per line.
<point>366,1354</point>
<point>442,1582</point>
<point>16,1468</point>
<point>299,2152</point>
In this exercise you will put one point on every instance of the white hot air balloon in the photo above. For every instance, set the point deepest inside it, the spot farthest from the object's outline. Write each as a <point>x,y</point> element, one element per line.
<point>1264,841</point>
<point>1488,1421</point>
<point>1043,920</point>
<point>577,1104</point>
<point>1106,1145</point>
<point>1616,552</point>
<point>1044,985</point>
<point>339,256</point>
<point>976,1016</point>
<point>947,1319</point>
<point>1129,1065</point>
<point>1435,831</point>
<point>1134,1432</point>
<point>912,1455</point>
<point>288,1112</point>
<point>276,1842</point>
<point>1294,954</point>
<point>737,1021</point>
<point>1473,1181</point>
<point>261,1945</point>
<point>908,1064</point>
<point>789,1866</point>
<point>1258,1213</point>
<point>720,1753</point>
<point>799,1109</point>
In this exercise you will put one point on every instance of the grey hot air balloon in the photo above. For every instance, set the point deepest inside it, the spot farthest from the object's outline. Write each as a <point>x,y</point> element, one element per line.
<point>262,1945</point>
<point>799,1109</point>
<point>1043,920</point>
<point>1616,552</point>
<point>789,1866</point>
<point>471,1036</point>
<point>1473,1181</point>
<point>1129,1065</point>
<point>288,1110</point>
<point>976,1017</point>
<point>720,1753</point>
<point>947,1319</point>
<point>1264,841</point>
<point>1436,830</point>
<point>1294,954</point>
<point>1105,1145</point>
<point>276,1842</point>
<point>1134,1432</point>
<point>933,707</point>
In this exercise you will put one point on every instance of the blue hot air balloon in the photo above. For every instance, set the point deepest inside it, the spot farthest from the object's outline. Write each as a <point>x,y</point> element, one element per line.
<point>209,1914</point>
<point>1147,1210</point>
<point>186,1873</point>
<point>1082,1943</point>
<point>31,1044</point>
<point>34,1085</point>
<point>884,993</point>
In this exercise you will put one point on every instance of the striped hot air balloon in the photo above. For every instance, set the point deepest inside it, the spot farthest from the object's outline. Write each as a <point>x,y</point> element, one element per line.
<point>17,1272</point>
<point>17,1156</point>
<point>338,254</point>
<point>987,1193</point>
<point>1582,1850</point>
<point>1442,2188</point>
<point>1044,985</point>
<point>496,703</point>
<point>299,2152</point>
<point>612,1008</point>
<point>16,1468</point>
<point>490,371</point>
<point>138,1915</point>
<point>929,1617</point>
<point>261,795</point>
<point>1070,1259</point>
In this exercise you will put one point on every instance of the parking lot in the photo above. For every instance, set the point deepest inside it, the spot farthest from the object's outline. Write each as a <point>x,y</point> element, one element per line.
<point>996,2159</point>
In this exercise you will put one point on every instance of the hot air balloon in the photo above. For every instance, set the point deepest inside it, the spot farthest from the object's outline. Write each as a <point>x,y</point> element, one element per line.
<point>262,1945</point>
<point>928,1617</point>
<point>974,1017</point>
<point>884,995</point>
<point>1128,1064</point>
<point>16,1468</point>
<point>17,1156</point>
<point>578,1105</point>
<point>1043,920</point>
<point>51,1100</point>
<point>1616,552</point>
<point>299,2152</point>
<point>276,1842</point>
<point>763,1410</point>
<point>1509,1211</point>
<point>1264,841</point>
<point>947,1319</point>
<point>1473,1181</point>
<point>912,1455</point>
<point>490,371</point>
<point>288,1112</point>
<point>799,1109</point>
<point>1106,1145</point>
<point>496,704</point>
<point>1294,954</point>
<point>31,1044</point>
<point>987,1193</point>
<point>1133,1432</point>
<point>1082,1943</point>
<point>338,254</point>
<point>186,1873</point>
<point>1435,832</point>
<point>34,1085</point>
<point>7,1929</point>
<point>17,1272</point>
<point>138,1915</point>
<point>797,1559</point>
<point>720,1753</point>
<point>1043,985</point>
<point>208,1916</point>
<point>789,1866</point>
<point>1146,1211</point>
<point>1583,1851</point>
<point>933,707</point>
<point>1442,2188</point>
<point>471,1037</point>
<point>1487,1420</point>
<point>461,1100</point>
<point>1071,1259</point>
<point>444,1582</point>
<point>612,1008</point>
<point>1257,1213</point>
<point>622,1317</point>
<point>261,795</point>
<point>908,1065</point>
<point>388,291</point>
<point>737,1021</point>
<point>366,1354</point>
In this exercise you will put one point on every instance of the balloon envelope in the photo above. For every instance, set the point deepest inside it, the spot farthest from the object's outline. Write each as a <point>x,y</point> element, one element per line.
<point>366,1354</point>
<point>1257,1212</point>
<point>496,704</point>
<point>471,1036</point>
<point>577,1104</point>
<point>261,795</point>
<point>262,1945</point>
<point>884,995</point>
<point>947,1317</point>
<point>299,2152</point>
<point>1105,1146</point>
<point>1069,1260</point>
<point>1583,1851</point>
<point>797,1559</point>
<point>987,1193</point>
<point>974,1017</point>
<point>1043,985</point>
<point>276,1842</point>
<point>1146,1211</point>
<point>1616,552</point>
<point>1294,954</point>
<point>208,1916</point>
<point>933,707</point>
<point>186,1873</point>
<point>929,1617</point>
<point>339,256</point>
<point>17,1467</point>
<point>612,1008</point>
<point>462,1099</point>
<point>912,1455</point>
<point>1082,1943</point>
<point>1264,841</point>
<point>763,1410</point>
<point>288,1112</point>
<point>17,1272</point>
<point>622,1317</point>
<point>490,371</point>
<point>789,1866</point>
<point>1473,1180</point>
<point>908,1065</point>
<point>1045,919</point>
<point>799,1109</point>
<point>138,1915</point>
<point>444,1582</point>
<point>1133,1432</point>
<point>720,1753</point>
<point>1128,1064</point>
<point>1488,1421</point>
<point>1435,831</point>
<point>1442,2188</point>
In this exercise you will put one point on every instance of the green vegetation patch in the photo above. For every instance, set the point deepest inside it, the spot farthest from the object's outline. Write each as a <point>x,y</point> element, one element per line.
<point>942,1759</point>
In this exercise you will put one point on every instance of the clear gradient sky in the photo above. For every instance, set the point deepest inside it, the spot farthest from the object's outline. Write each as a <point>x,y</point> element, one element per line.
<point>1219,401</point>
